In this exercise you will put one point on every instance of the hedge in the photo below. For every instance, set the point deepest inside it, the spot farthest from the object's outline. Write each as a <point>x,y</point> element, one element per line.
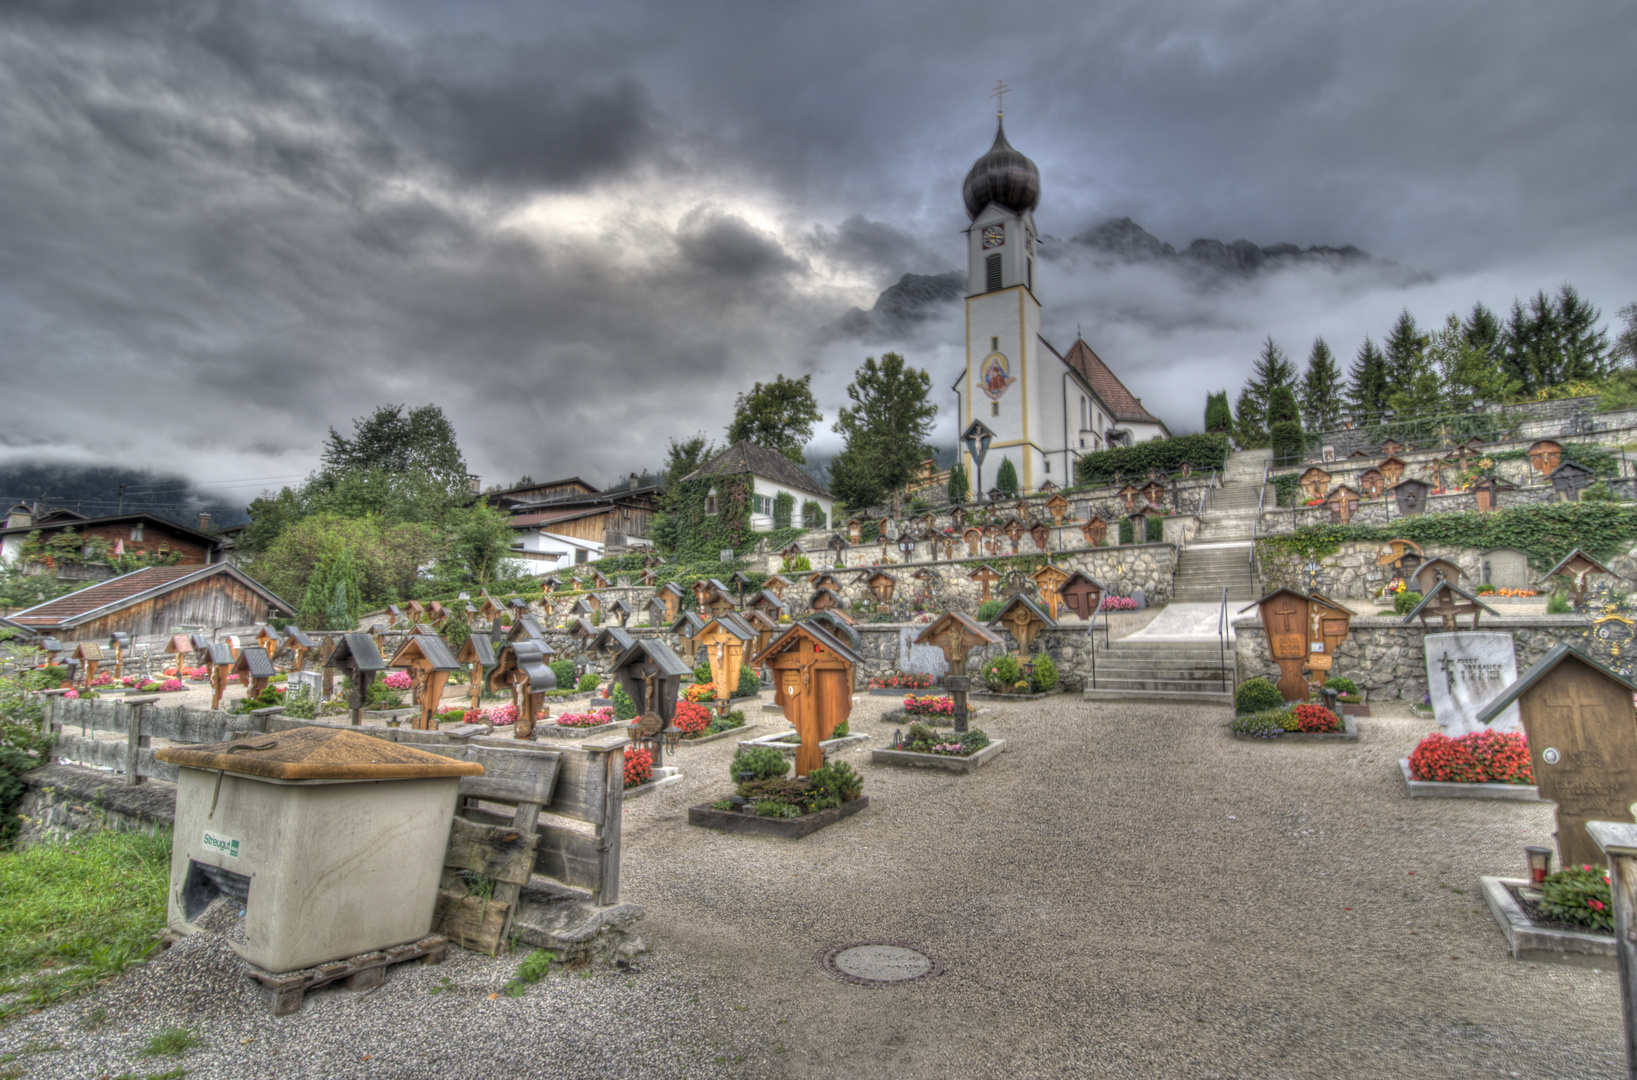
<point>1204,452</point>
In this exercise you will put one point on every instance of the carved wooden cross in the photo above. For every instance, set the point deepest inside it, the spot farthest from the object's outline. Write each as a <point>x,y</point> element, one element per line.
<point>985,576</point>
<point>816,691</point>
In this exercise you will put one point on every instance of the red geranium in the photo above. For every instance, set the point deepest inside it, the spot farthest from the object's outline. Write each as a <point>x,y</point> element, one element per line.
<point>1316,718</point>
<point>639,765</point>
<point>691,718</point>
<point>1482,757</point>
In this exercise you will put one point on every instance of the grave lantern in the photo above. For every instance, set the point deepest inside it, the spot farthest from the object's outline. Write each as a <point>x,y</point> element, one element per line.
<point>957,635</point>
<point>1049,580</point>
<point>1539,861</point>
<point>1024,620</point>
<point>89,654</point>
<point>478,654</point>
<point>1569,480</point>
<point>521,667</point>
<point>651,674</point>
<point>685,629</point>
<point>357,655</point>
<point>1445,601</point>
<point>1582,734</point>
<point>985,576</point>
<point>1411,496</point>
<point>813,676</point>
<point>429,661</point>
<point>724,639</point>
<point>253,667</point>
<point>1575,568</point>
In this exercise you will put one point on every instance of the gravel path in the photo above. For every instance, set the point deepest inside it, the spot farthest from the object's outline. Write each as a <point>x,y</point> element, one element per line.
<point>1128,892</point>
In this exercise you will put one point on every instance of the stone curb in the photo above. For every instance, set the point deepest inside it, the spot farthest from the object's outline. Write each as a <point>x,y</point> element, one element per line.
<point>664,776</point>
<point>1444,789</point>
<point>788,828</point>
<point>945,762</point>
<point>728,734</point>
<point>772,739</point>
<point>1537,943</point>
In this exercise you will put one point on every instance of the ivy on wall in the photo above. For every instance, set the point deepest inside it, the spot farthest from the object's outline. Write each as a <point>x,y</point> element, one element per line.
<point>1203,452</point>
<point>784,504</point>
<point>1284,489</point>
<point>1546,532</point>
<point>686,532</point>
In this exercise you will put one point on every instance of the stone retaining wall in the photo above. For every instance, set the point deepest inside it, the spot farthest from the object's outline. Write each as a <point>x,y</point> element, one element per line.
<point>64,799</point>
<point>1388,659</point>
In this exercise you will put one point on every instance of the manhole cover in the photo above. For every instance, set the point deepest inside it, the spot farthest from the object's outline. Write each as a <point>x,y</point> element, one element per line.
<point>876,963</point>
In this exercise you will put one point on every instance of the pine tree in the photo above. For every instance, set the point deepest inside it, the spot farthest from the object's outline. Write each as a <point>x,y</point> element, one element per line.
<point>1482,328</point>
<point>1367,379</point>
<point>1272,370</point>
<point>1218,413</point>
<point>1409,384</point>
<point>1585,344</point>
<point>1248,430</point>
<point>1464,360</point>
<point>1321,388</point>
<point>958,486</point>
<point>1006,478</point>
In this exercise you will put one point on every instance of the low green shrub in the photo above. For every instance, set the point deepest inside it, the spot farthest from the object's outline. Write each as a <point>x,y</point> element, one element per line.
<point>1002,673</point>
<point>750,682</point>
<point>564,672</point>
<point>1126,532</point>
<point>1558,604</point>
<point>833,784</point>
<point>300,704</point>
<point>763,762</point>
<point>770,808</point>
<point>1154,529</point>
<point>1404,602</point>
<point>1579,895</point>
<point>588,681</point>
<point>702,672</point>
<point>974,740</point>
<point>624,707</point>
<point>1342,684</point>
<point>988,610</point>
<point>734,719</point>
<point>1262,725</point>
<point>1256,696</point>
<point>1045,674</point>
<point>842,730</point>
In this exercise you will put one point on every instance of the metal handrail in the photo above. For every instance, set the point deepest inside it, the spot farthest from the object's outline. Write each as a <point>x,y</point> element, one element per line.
<point>1221,638</point>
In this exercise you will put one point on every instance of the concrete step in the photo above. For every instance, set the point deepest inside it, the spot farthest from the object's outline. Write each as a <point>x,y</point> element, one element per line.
<point>1197,696</point>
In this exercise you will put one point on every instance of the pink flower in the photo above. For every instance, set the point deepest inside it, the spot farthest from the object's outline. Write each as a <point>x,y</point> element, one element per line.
<point>1595,905</point>
<point>72,695</point>
<point>171,685</point>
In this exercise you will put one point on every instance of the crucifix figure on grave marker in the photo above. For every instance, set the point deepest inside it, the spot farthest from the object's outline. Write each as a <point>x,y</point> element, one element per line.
<point>957,635</point>
<point>813,671</point>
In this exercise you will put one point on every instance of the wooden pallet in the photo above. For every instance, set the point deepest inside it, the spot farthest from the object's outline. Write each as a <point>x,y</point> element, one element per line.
<point>284,993</point>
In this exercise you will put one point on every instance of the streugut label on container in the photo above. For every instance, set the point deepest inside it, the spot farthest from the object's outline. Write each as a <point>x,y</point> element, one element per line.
<point>225,845</point>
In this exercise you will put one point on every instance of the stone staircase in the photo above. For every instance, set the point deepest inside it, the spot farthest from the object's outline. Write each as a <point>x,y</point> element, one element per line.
<point>1179,656</point>
<point>1150,669</point>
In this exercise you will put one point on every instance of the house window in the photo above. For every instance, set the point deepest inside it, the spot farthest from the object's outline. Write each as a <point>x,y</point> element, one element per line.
<point>710,502</point>
<point>579,555</point>
<point>517,545</point>
<point>764,504</point>
<point>994,408</point>
<point>136,531</point>
<point>992,271</point>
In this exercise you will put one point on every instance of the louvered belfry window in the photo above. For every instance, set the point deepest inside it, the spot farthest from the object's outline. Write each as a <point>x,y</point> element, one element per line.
<point>992,270</point>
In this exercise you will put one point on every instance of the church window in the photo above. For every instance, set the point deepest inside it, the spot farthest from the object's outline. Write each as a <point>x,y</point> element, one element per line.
<point>994,344</point>
<point>992,270</point>
<point>1082,415</point>
<point>1031,275</point>
<point>994,408</point>
<point>1048,467</point>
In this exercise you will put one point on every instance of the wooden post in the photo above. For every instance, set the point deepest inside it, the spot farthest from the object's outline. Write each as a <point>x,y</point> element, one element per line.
<point>1618,839</point>
<point>612,750</point>
<point>135,741</point>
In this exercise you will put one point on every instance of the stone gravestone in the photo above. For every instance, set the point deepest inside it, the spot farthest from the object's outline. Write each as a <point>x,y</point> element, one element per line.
<point>1467,670</point>
<point>1506,568</point>
<point>1142,601</point>
<point>312,680</point>
<point>916,659</point>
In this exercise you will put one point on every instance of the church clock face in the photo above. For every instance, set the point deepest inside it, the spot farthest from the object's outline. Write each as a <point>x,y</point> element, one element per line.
<point>994,236</point>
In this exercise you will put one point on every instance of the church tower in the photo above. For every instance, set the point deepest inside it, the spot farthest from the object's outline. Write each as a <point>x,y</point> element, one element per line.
<point>1000,386</point>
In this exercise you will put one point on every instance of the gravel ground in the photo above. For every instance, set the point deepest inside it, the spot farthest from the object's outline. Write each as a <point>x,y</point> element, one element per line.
<point>1128,892</point>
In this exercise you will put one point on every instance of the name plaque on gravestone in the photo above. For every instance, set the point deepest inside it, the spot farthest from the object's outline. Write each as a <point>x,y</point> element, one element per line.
<point>1467,670</point>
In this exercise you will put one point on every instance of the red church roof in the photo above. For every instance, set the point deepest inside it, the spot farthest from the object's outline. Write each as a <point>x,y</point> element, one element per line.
<point>1120,401</point>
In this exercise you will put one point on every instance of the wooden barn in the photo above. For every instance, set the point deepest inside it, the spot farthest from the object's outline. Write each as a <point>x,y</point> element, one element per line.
<point>157,601</point>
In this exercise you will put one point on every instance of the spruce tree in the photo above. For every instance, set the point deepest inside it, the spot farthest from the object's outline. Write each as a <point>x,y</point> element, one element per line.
<point>1248,430</point>
<point>1585,344</point>
<point>1367,379</point>
<point>1272,370</point>
<point>1482,328</point>
<point>1408,383</point>
<point>1006,478</point>
<point>958,486</point>
<point>1321,388</point>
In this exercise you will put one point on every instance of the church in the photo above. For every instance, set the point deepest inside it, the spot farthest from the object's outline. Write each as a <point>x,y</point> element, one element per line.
<point>1042,408</point>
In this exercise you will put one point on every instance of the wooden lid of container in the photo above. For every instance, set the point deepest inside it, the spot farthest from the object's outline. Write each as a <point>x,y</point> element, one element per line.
<point>315,753</point>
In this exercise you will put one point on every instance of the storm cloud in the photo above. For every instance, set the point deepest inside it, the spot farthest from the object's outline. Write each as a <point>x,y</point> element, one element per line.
<point>226,227</point>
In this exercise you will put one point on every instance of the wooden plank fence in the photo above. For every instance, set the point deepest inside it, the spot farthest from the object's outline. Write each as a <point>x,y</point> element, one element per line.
<point>577,789</point>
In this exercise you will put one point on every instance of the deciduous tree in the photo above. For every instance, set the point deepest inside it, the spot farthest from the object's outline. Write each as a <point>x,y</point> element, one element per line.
<point>778,415</point>
<point>884,430</point>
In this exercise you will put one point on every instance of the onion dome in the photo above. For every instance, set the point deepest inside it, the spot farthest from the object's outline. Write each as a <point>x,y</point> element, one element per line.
<point>1001,176</point>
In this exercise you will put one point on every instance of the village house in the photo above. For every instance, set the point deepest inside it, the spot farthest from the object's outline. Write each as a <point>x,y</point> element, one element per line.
<point>771,474</point>
<point>125,535</point>
<point>567,522</point>
<point>159,600</point>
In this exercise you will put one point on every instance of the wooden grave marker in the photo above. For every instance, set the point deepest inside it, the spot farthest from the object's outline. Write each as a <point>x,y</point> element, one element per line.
<point>1024,620</point>
<point>89,654</point>
<point>957,635</point>
<point>651,674</point>
<point>1284,615</point>
<point>1545,456</point>
<point>429,661</point>
<point>813,671</point>
<point>725,638</point>
<point>1082,594</point>
<point>1049,580</point>
<point>1582,734</point>
<point>358,656</point>
<point>478,655</point>
<point>1315,482</point>
<point>985,576</point>
<point>253,667</point>
<point>1575,568</point>
<point>1445,601</point>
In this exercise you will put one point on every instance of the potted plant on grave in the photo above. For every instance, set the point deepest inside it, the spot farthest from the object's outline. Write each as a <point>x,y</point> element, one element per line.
<point>1349,698</point>
<point>922,739</point>
<point>765,800</point>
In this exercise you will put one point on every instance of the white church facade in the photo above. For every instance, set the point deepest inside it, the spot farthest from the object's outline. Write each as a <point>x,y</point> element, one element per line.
<point>1044,408</point>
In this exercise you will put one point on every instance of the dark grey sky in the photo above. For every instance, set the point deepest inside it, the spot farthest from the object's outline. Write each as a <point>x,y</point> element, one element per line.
<point>581,229</point>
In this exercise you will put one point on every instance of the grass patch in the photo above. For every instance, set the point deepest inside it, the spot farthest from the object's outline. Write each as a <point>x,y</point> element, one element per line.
<point>174,1074</point>
<point>75,913</point>
<point>173,1042</point>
